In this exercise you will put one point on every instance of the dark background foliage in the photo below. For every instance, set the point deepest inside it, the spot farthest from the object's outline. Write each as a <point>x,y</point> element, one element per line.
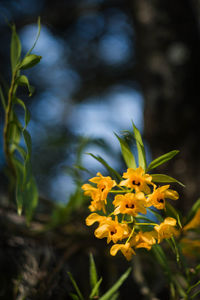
<point>104,64</point>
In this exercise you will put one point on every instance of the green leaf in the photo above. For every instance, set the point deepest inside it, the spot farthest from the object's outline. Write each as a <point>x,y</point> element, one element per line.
<point>115,296</point>
<point>21,151</point>
<point>171,211</point>
<point>27,139</point>
<point>15,50</point>
<point>93,273</point>
<point>30,198</point>
<point>162,159</point>
<point>162,259</point>
<point>95,291</point>
<point>193,210</point>
<point>74,296</point>
<point>3,100</point>
<point>140,147</point>
<point>23,80</point>
<point>37,36</point>
<point>127,154</point>
<point>164,179</point>
<point>19,167</point>
<point>14,130</point>
<point>30,61</point>
<point>27,113</point>
<point>75,286</point>
<point>112,172</point>
<point>116,286</point>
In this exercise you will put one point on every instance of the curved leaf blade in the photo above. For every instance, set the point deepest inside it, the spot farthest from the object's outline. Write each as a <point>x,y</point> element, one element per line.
<point>140,147</point>
<point>116,286</point>
<point>162,159</point>
<point>126,153</point>
<point>165,179</point>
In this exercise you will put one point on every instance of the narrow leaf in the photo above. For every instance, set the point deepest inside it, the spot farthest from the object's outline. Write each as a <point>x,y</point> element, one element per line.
<point>115,296</point>
<point>104,163</point>
<point>116,286</point>
<point>93,272</point>
<point>23,80</point>
<point>15,50</point>
<point>19,183</point>
<point>27,113</point>
<point>95,290</point>
<point>75,286</point>
<point>171,211</point>
<point>193,210</point>
<point>30,198</point>
<point>74,296</point>
<point>164,178</point>
<point>162,159</point>
<point>3,100</point>
<point>27,139</point>
<point>161,258</point>
<point>140,147</point>
<point>37,36</point>
<point>126,153</point>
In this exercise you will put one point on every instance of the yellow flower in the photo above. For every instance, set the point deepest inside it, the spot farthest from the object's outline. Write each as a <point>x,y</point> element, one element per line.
<point>99,193</point>
<point>126,250</point>
<point>194,223</point>
<point>157,198</point>
<point>130,203</point>
<point>92,218</point>
<point>166,229</point>
<point>112,230</point>
<point>144,239</point>
<point>137,179</point>
<point>97,205</point>
<point>104,185</point>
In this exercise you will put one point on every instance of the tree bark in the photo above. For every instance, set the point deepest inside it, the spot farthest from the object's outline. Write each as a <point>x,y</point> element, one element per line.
<point>167,56</point>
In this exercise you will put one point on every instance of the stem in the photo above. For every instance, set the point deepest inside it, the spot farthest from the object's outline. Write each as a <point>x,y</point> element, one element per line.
<point>121,192</point>
<point>145,224</point>
<point>6,125</point>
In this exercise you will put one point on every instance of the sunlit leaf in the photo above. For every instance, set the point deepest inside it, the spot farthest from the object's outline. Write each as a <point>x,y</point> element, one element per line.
<point>30,61</point>
<point>116,286</point>
<point>126,153</point>
<point>164,179</point>
<point>162,159</point>
<point>140,147</point>
<point>23,80</point>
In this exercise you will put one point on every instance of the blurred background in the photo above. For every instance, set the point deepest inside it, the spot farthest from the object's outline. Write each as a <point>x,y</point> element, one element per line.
<point>105,64</point>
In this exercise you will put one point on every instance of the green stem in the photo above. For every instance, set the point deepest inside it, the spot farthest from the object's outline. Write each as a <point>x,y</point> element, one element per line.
<point>6,125</point>
<point>146,224</point>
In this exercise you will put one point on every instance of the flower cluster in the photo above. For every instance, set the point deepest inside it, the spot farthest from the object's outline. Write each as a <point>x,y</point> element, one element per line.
<point>120,208</point>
